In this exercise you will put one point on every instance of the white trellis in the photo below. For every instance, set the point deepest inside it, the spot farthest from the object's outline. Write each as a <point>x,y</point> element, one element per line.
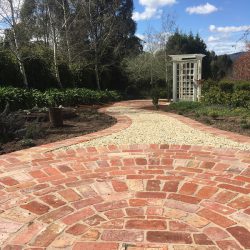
<point>187,71</point>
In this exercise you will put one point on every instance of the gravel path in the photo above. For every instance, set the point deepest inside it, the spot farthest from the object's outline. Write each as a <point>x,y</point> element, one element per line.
<point>149,127</point>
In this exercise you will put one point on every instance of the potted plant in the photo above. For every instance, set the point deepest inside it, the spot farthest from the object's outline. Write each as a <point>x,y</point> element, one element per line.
<point>55,112</point>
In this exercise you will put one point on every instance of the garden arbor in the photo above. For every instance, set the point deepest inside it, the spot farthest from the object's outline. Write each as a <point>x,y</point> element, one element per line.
<point>187,71</point>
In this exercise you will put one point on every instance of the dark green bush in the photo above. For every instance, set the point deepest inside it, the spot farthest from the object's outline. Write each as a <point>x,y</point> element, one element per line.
<point>184,106</point>
<point>242,85</point>
<point>226,86</point>
<point>26,99</point>
<point>241,98</point>
<point>216,96</point>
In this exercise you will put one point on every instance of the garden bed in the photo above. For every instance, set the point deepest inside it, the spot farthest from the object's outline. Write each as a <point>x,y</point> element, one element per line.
<point>234,119</point>
<point>32,127</point>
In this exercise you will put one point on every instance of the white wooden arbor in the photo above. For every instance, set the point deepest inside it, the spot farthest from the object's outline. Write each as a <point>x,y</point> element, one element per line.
<point>187,71</point>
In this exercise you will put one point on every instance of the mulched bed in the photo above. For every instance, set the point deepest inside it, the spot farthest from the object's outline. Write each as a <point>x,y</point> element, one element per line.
<point>77,122</point>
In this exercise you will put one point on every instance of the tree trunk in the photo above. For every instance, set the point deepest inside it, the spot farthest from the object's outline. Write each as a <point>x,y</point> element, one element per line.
<point>97,74</point>
<point>55,60</point>
<point>66,35</point>
<point>54,41</point>
<point>17,48</point>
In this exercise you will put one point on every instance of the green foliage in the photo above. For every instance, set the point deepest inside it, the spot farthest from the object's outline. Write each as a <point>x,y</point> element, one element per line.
<point>9,124</point>
<point>240,98</point>
<point>226,86</point>
<point>184,106</point>
<point>34,131</point>
<point>242,85</point>
<point>26,99</point>
<point>9,71</point>
<point>228,93</point>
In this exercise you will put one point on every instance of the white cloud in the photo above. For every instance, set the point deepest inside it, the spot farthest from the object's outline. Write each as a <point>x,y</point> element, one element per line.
<point>213,39</point>
<point>229,29</point>
<point>152,9</point>
<point>202,9</point>
<point>224,44</point>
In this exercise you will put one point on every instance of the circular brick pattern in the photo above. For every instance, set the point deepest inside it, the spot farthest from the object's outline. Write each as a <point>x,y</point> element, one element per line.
<point>127,197</point>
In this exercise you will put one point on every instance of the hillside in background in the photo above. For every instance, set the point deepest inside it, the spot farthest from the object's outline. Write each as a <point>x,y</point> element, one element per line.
<point>235,56</point>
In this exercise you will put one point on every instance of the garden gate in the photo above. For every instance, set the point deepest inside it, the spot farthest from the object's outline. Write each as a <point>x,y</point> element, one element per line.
<point>187,72</point>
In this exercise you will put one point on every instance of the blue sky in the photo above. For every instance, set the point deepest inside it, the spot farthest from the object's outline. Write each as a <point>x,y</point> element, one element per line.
<point>219,22</point>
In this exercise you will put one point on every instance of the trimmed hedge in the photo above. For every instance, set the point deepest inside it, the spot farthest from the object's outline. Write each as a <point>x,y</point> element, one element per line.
<point>25,99</point>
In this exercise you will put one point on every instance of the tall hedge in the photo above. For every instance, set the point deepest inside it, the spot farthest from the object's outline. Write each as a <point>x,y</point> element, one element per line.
<point>25,99</point>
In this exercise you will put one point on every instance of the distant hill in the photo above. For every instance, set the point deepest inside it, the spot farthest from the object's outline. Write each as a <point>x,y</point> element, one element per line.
<point>235,56</point>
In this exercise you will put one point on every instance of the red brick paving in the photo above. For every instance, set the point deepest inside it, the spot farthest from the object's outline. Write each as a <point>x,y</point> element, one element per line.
<point>134,197</point>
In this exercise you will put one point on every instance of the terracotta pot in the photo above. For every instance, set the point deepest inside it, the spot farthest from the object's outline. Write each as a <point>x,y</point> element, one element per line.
<point>55,116</point>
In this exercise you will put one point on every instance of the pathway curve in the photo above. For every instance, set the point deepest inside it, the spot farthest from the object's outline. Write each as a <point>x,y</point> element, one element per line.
<point>162,128</point>
<point>125,197</point>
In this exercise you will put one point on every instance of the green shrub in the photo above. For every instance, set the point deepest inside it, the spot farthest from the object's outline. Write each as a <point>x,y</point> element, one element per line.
<point>214,114</point>
<point>216,96</point>
<point>26,99</point>
<point>184,106</point>
<point>241,98</point>
<point>226,86</point>
<point>242,85</point>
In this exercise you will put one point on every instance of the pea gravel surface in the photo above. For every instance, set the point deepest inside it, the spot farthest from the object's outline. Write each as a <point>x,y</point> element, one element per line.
<point>151,127</point>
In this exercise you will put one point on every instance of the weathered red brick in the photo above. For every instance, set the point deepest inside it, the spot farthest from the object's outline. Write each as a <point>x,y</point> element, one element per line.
<point>241,234</point>
<point>206,192</point>
<point>64,168</point>
<point>36,207</point>
<point>171,186</point>
<point>169,237</point>
<point>56,214</point>
<point>188,188</point>
<point>69,195</point>
<point>111,205</point>
<point>241,202</point>
<point>8,181</point>
<point>27,234</point>
<point>141,161</point>
<point>207,165</point>
<point>95,246</point>
<point>156,211</point>
<point>146,224</point>
<point>137,202</point>
<point>181,226</point>
<point>94,220</point>
<point>216,218</point>
<point>46,237</point>
<point>217,207</point>
<point>38,174</point>
<point>156,195</point>
<point>215,233</point>
<point>224,196</point>
<point>119,186</point>
<point>52,200</point>
<point>114,214</point>
<point>202,239</point>
<point>153,185</point>
<point>134,211</point>
<point>80,215</point>
<point>122,235</point>
<point>235,188</point>
<point>87,202</point>
<point>184,198</point>
<point>77,229</point>
<point>228,245</point>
